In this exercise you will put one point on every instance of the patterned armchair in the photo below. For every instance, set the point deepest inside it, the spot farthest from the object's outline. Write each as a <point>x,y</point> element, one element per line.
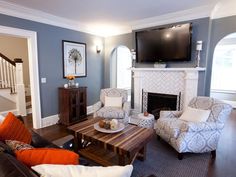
<point>196,137</point>
<point>112,112</point>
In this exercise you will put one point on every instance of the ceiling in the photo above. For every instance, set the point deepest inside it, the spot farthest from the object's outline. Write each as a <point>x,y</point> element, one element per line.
<point>110,14</point>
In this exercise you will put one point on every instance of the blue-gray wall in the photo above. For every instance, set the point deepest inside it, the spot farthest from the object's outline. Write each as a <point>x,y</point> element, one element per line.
<point>219,29</point>
<point>50,61</point>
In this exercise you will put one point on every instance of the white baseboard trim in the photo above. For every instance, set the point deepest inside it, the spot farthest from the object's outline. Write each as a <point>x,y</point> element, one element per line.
<point>4,113</point>
<point>51,120</point>
<point>90,110</point>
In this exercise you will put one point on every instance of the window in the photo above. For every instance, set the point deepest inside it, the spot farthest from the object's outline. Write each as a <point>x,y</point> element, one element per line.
<point>124,62</point>
<point>224,67</point>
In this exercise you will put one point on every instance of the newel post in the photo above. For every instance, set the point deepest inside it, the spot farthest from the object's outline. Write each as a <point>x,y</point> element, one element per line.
<point>20,88</point>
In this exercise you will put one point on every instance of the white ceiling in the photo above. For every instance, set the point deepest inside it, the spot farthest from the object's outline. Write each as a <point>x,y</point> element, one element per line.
<point>113,14</point>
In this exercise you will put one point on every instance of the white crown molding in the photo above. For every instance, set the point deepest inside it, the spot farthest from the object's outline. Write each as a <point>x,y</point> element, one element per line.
<point>42,17</point>
<point>211,11</point>
<point>223,9</point>
<point>185,15</point>
<point>18,11</point>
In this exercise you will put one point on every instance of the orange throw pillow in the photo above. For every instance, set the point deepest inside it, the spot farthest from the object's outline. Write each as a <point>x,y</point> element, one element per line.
<point>37,156</point>
<point>13,129</point>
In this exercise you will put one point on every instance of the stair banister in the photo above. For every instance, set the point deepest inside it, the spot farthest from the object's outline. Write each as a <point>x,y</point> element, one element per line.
<point>20,87</point>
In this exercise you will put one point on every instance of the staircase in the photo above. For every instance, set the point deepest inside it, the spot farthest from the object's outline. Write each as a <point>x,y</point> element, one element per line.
<point>11,83</point>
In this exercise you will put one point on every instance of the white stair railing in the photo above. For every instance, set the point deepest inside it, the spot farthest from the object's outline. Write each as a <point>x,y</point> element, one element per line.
<point>11,76</point>
<point>7,73</point>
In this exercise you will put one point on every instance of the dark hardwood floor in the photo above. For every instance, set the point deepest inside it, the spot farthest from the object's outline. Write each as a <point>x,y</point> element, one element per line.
<point>225,162</point>
<point>223,166</point>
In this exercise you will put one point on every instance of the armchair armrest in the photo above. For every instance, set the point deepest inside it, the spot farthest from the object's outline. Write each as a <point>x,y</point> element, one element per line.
<point>97,106</point>
<point>126,108</point>
<point>201,126</point>
<point>170,114</point>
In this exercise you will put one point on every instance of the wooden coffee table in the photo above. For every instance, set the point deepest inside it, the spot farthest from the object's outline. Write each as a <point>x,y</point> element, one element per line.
<point>110,149</point>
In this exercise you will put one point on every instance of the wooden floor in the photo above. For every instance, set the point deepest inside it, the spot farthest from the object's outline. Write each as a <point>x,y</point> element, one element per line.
<point>223,166</point>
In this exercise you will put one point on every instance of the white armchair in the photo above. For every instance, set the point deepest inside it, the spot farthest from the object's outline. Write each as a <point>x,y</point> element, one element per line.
<point>112,112</point>
<point>194,137</point>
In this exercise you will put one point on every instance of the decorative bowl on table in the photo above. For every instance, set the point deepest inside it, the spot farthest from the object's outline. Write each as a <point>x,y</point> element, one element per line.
<point>109,126</point>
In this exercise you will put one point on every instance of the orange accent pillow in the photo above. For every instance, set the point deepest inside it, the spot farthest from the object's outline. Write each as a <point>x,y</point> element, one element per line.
<point>37,156</point>
<point>13,129</point>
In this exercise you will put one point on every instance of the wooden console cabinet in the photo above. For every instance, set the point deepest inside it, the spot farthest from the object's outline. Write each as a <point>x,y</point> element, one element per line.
<point>72,105</point>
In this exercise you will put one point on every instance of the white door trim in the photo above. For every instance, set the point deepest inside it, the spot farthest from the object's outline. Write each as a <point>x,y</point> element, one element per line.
<point>33,69</point>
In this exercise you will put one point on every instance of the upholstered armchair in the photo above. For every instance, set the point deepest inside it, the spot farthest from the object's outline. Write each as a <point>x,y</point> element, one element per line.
<point>196,137</point>
<point>112,112</point>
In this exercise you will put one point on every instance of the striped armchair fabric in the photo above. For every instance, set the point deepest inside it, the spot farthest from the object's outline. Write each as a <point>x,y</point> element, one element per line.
<point>194,137</point>
<point>112,112</point>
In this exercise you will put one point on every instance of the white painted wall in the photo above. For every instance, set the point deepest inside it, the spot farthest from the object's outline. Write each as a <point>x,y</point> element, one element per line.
<point>15,47</point>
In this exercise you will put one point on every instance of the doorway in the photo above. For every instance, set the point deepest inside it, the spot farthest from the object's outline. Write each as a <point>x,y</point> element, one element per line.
<point>31,37</point>
<point>223,85</point>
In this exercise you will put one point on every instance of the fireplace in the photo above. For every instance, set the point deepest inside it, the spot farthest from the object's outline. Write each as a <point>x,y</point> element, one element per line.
<point>155,102</point>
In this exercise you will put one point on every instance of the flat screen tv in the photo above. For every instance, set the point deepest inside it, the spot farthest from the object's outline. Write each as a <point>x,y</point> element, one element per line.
<point>164,44</point>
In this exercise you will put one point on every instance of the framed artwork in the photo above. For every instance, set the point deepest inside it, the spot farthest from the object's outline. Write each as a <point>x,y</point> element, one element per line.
<point>74,59</point>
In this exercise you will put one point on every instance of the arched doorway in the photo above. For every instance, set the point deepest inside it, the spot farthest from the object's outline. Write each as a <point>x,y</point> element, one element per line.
<point>223,85</point>
<point>120,75</point>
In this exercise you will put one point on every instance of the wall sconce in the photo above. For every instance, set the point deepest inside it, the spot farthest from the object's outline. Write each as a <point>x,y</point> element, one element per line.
<point>98,48</point>
<point>198,49</point>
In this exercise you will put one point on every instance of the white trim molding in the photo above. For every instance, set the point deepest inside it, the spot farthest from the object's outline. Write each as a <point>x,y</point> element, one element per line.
<point>224,8</point>
<point>52,120</point>
<point>31,37</point>
<point>175,17</point>
<point>19,11</point>
<point>90,110</point>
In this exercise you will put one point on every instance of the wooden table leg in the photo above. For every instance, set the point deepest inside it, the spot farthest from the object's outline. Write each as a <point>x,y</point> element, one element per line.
<point>121,160</point>
<point>77,143</point>
<point>142,154</point>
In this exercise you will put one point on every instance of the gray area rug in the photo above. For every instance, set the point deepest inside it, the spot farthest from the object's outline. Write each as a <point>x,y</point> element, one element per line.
<point>161,161</point>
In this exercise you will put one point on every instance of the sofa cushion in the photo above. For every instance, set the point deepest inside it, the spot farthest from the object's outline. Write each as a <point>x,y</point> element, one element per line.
<point>13,129</point>
<point>195,115</point>
<point>36,156</point>
<point>17,145</point>
<point>83,171</point>
<point>111,112</point>
<point>113,101</point>
<point>10,167</point>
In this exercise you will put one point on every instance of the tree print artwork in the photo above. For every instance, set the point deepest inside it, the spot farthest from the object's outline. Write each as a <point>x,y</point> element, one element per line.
<point>75,56</point>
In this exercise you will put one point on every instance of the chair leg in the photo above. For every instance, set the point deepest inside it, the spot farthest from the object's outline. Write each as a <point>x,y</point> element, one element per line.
<point>180,156</point>
<point>213,154</point>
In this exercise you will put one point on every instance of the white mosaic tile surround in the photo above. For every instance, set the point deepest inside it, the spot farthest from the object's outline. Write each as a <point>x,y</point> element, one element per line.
<point>166,81</point>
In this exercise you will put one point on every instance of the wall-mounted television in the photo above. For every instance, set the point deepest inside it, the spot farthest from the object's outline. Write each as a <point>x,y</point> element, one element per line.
<point>172,43</point>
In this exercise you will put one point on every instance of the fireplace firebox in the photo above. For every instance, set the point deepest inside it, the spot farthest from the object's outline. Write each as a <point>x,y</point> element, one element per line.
<point>155,102</point>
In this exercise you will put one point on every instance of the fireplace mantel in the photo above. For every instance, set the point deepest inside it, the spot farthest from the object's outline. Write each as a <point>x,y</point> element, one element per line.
<point>166,81</point>
<point>168,69</point>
